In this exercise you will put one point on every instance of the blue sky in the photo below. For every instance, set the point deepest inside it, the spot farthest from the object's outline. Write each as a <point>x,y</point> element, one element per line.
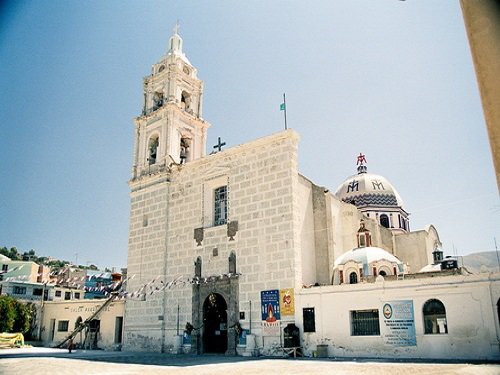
<point>388,78</point>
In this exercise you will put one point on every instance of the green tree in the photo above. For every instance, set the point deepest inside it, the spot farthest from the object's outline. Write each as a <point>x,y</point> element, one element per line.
<point>15,316</point>
<point>7,313</point>
<point>11,253</point>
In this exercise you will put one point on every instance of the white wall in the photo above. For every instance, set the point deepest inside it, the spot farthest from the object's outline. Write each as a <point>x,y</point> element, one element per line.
<point>471,314</point>
<point>71,310</point>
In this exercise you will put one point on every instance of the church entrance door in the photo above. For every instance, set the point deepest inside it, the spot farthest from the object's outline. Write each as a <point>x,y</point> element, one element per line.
<point>214,324</point>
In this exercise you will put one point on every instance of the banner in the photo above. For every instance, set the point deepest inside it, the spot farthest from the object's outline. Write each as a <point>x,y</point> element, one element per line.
<point>270,305</point>
<point>398,328</point>
<point>270,311</point>
<point>287,302</point>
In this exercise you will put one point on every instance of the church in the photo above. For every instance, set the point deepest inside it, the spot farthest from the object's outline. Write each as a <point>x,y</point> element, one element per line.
<point>237,252</point>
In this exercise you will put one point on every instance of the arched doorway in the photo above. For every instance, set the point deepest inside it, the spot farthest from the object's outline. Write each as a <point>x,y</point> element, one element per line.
<point>214,324</point>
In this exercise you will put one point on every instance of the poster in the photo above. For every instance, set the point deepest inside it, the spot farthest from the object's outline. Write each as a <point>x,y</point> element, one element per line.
<point>287,302</point>
<point>398,328</point>
<point>270,305</point>
<point>270,311</point>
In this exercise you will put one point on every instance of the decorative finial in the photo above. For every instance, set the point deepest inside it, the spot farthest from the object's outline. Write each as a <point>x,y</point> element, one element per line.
<point>176,27</point>
<point>360,162</point>
<point>361,159</point>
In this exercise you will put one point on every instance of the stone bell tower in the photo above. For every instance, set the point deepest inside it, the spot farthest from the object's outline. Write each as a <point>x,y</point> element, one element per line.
<point>169,131</point>
<point>170,128</point>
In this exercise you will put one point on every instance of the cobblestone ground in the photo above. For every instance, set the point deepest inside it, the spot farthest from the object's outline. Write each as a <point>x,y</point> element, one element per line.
<point>31,361</point>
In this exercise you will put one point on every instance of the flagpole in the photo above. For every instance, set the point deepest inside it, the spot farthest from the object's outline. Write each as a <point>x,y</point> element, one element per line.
<point>284,102</point>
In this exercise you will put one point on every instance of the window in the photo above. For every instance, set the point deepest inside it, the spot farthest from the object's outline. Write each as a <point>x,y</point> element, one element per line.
<point>220,205</point>
<point>153,149</point>
<point>362,242</point>
<point>308,318</point>
<point>365,323</point>
<point>353,278</point>
<point>37,291</point>
<point>58,293</point>
<point>186,101</point>
<point>184,153</point>
<point>19,290</point>
<point>384,220</point>
<point>434,317</point>
<point>5,267</point>
<point>62,325</point>
<point>157,100</point>
<point>77,295</point>
<point>67,295</point>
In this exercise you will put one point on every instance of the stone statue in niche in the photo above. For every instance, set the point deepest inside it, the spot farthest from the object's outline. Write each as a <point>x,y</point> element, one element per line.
<point>232,263</point>
<point>197,267</point>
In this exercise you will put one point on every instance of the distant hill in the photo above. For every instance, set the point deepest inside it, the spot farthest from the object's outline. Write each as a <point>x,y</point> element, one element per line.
<point>473,262</point>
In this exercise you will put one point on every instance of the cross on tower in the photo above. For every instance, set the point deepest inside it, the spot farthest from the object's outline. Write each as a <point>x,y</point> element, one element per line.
<point>219,145</point>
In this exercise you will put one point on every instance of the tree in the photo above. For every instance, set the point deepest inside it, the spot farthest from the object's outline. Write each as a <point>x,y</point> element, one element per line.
<point>16,316</point>
<point>8,313</point>
<point>11,253</point>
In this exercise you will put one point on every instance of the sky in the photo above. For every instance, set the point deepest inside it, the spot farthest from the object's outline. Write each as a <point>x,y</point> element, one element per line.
<point>391,79</point>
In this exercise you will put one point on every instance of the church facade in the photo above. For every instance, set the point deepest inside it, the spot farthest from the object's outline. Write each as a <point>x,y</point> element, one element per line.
<point>227,250</point>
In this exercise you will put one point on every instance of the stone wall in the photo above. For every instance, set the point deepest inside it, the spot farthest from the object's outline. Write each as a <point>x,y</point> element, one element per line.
<point>262,231</point>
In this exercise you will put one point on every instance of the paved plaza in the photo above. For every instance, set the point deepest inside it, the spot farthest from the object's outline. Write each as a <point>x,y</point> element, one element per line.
<point>57,361</point>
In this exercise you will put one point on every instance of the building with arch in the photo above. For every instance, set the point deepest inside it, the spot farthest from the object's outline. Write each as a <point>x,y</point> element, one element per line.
<point>228,249</point>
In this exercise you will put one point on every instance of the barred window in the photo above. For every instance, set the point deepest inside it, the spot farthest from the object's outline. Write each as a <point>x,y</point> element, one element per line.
<point>365,323</point>
<point>19,290</point>
<point>220,205</point>
<point>58,293</point>
<point>62,325</point>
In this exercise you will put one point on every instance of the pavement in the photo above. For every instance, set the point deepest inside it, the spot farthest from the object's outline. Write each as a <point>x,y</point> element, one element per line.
<point>36,360</point>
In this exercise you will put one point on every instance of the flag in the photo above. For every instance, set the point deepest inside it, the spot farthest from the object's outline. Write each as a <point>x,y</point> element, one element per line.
<point>282,106</point>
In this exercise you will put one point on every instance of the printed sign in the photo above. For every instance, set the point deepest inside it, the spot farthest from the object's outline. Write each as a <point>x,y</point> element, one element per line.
<point>270,328</point>
<point>398,328</point>
<point>287,302</point>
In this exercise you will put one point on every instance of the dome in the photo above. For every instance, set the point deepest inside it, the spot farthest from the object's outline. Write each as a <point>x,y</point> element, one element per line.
<point>368,189</point>
<point>366,255</point>
<point>375,197</point>
<point>370,261</point>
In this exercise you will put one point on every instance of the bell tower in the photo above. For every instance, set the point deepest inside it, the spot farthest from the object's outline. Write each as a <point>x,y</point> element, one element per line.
<point>170,128</point>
